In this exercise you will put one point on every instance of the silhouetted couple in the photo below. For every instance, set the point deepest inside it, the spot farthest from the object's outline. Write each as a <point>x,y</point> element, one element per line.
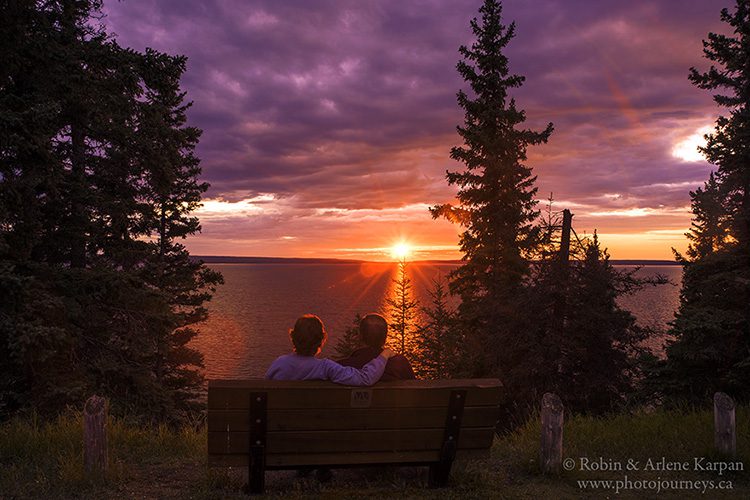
<point>365,366</point>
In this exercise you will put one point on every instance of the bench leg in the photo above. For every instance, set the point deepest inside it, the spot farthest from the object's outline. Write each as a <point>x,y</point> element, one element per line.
<point>440,470</point>
<point>439,473</point>
<point>257,415</point>
<point>256,478</point>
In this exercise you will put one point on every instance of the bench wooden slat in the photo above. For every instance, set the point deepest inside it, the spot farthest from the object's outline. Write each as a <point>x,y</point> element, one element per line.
<point>352,418</point>
<point>332,396</point>
<point>348,441</point>
<point>260,384</point>
<point>366,458</point>
<point>301,423</point>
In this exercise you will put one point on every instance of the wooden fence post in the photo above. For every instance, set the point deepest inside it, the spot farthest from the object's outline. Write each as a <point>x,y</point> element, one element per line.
<point>95,436</point>
<point>550,453</point>
<point>725,438</point>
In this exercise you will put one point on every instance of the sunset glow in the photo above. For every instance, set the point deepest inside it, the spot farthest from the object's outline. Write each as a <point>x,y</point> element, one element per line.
<point>325,143</point>
<point>687,149</point>
<point>401,251</point>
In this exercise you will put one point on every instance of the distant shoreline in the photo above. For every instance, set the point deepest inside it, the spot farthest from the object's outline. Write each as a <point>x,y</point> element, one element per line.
<point>219,259</point>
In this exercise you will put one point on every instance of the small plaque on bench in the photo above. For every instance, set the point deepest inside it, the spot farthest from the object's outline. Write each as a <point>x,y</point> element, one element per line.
<point>361,398</point>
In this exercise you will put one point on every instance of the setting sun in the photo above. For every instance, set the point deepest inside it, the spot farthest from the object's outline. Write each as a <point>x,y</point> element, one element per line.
<point>401,251</point>
<point>687,149</point>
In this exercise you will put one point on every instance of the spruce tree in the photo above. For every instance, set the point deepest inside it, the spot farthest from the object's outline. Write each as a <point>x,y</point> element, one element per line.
<point>167,160</point>
<point>98,179</point>
<point>496,204</point>
<point>711,347</point>
<point>351,340</point>
<point>709,231</point>
<point>591,348</point>
<point>728,146</point>
<point>403,309</point>
<point>439,343</point>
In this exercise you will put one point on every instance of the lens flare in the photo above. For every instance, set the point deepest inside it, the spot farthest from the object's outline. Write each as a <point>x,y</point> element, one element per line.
<point>401,251</point>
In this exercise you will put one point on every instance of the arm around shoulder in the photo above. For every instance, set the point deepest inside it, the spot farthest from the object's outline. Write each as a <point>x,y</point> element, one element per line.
<point>348,375</point>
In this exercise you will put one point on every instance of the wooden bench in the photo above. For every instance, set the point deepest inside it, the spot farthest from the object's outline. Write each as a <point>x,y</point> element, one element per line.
<point>269,425</point>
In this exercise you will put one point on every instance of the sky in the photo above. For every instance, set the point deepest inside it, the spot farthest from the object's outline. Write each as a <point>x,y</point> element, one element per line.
<point>327,125</point>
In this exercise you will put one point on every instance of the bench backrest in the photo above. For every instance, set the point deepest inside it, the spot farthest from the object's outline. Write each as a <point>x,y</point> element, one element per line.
<point>321,423</point>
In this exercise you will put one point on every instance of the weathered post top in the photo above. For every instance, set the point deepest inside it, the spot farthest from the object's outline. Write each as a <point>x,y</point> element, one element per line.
<point>552,402</point>
<point>723,401</point>
<point>94,405</point>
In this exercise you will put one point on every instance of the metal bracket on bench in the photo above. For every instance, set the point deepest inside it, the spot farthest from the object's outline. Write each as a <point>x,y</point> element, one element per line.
<point>440,471</point>
<point>256,459</point>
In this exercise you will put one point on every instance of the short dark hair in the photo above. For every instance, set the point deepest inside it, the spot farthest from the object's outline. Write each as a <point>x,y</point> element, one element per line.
<point>373,329</point>
<point>308,335</point>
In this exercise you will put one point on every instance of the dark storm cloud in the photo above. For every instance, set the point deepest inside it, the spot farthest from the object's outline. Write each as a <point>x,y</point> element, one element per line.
<point>286,89</point>
<point>350,104</point>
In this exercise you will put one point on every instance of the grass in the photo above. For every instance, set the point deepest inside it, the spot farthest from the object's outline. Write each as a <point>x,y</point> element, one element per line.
<point>44,460</point>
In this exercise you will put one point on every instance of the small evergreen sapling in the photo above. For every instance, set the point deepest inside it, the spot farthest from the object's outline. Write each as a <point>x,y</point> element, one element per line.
<point>440,344</point>
<point>350,341</point>
<point>403,311</point>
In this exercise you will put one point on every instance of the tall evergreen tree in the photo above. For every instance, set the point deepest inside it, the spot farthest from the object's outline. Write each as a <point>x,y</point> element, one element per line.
<point>496,197</point>
<point>98,180</point>
<point>709,231</point>
<point>711,350</point>
<point>167,161</point>
<point>728,147</point>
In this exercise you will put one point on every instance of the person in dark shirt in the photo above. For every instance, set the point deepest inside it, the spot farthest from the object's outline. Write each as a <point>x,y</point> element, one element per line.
<point>373,330</point>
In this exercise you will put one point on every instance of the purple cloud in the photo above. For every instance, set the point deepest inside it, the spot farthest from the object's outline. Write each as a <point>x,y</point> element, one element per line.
<point>351,105</point>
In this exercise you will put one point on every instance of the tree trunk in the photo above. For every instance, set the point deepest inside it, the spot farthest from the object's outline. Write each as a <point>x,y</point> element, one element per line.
<point>78,192</point>
<point>564,262</point>
<point>560,306</point>
<point>565,237</point>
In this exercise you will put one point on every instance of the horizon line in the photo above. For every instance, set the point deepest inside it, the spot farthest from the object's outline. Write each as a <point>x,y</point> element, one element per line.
<point>229,259</point>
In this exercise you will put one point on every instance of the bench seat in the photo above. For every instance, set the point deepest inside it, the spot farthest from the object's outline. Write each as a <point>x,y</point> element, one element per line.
<point>264,424</point>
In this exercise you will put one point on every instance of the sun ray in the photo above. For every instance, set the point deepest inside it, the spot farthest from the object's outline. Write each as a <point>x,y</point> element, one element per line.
<point>374,280</point>
<point>401,250</point>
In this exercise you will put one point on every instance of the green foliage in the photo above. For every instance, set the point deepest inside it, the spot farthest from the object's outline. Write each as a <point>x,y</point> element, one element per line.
<point>98,180</point>
<point>536,320</point>
<point>585,347</point>
<point>350,342</point>
<point>711,350</point>
<point>69,333</point>
<point>728,146</point>
<point>440,344</point>
<point>403,311</point>
<point>496,197</point>
<point>44,460</point>
<point>709,231</point>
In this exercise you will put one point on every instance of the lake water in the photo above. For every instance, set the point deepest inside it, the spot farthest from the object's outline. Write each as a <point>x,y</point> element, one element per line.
<point>250,315</point>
